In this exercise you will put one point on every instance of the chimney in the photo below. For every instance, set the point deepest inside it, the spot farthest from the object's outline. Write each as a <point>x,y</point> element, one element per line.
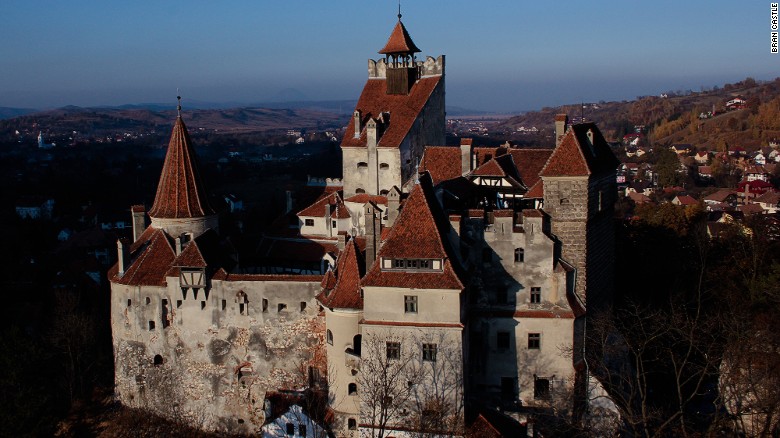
<point>465,155</point>
<point>372,228</point>
<point>372,185</point>
<point>341,242</point>
<point>328,227</point>
<point>178,245</point>
<point>139,221</point>
<point>393,205</point>
<point>561,120</point>
<point>289,199</point>
<point>123,253</point>
<point>356,121</point>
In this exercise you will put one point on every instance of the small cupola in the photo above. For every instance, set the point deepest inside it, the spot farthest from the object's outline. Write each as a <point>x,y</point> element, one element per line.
<point>402,71</point>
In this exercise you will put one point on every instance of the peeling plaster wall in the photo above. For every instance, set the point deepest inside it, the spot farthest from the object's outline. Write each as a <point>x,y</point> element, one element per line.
<point>217,361</point>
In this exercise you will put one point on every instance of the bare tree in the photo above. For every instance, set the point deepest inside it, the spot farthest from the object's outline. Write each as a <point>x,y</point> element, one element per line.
<point>387,381</point>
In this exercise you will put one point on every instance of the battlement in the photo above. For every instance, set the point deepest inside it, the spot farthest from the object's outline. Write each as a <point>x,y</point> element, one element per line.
<point>377,69</point>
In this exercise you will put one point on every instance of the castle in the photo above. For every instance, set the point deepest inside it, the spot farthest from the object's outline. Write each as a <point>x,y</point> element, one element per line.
<point>444,279</point>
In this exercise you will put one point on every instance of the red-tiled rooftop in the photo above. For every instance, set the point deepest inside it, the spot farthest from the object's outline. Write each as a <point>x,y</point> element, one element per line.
<point>415,234</point>
<point>345,294</point>
<point>442,162</point>
<point>399,41</point>
<point>403,110</point>
<point>180,193</point>
<point>362,198</point>
<point>150,257</point>
<point>318,209</point>
<point>576,156</point>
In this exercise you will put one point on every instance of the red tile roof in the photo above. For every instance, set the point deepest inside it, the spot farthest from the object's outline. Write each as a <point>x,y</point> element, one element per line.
<point>190,257</point>
<point>536,191</point>
<point>362,198</point>
<point>337,208</point>
<point>180,193</point>
<point>346,292</point>
<point>399,41</point>
<point>403,110</point>
<point>575,156</point>
<point>415,234</point>
<point>530,163</point>
<point>150,257</point>
<point>442,162</point>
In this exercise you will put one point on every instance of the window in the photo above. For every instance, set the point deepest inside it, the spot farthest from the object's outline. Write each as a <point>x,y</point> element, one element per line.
<point>148,301</point>
<point>425,264</point>
<point>329,337</point>
<point>502,340</point>
<point>224,304</point>
<point>541,388</point>
<point>241,308</point>
<point>519,255</point>
<point>178,304</point>
<point>410,303</point>
<point>302,429</point>
<point>151,325</point>
<point>536,295</point>
<point>290,429</point>
<point>158,360</point>
<point>202,305</point>
<point>362,165</point>
<point>281,307</point>
<point>129,302</point>
<point>384,166</point>
<point>303,306</point>
<point>164,316</point>
<point>411,263</point>
<point>352,389</point>
<point>399,263</point>
<point>429,352</point>
<point>359,190</point>
<point>534,341</point>
<point>383,192</point>
<point>393,350</point>
<point>265,305</point>
<point>309,222</point>
<point>352,424</point>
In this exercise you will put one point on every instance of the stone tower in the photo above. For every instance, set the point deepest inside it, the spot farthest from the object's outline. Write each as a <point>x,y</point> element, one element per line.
<point>579,194</point>
<point>400,110</point>
<point>181,205</point>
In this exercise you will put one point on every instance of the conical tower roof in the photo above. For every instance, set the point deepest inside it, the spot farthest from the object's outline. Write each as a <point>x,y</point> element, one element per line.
<point>399,42</point>
<point>180,194</point>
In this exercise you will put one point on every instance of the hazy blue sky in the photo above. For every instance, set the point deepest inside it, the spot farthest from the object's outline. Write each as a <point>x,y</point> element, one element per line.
<point>501,55</point>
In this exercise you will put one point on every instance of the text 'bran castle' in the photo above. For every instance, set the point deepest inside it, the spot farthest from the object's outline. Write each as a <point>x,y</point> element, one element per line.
<point>436,282</point>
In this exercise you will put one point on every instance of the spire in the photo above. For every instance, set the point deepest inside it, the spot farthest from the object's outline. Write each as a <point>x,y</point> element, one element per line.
<point>180,193</point>
<point>399,43</point>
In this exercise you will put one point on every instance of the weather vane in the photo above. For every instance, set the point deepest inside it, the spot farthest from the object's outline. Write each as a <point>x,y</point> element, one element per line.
<point>399,10</point>
<point>178,98</point>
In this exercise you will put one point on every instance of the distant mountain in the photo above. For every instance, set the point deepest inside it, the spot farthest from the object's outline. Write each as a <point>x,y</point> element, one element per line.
<point>91,121</point>
<point>9,113</point>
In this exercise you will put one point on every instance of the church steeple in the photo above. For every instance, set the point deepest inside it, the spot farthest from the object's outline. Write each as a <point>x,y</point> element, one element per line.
<point>181,204</point>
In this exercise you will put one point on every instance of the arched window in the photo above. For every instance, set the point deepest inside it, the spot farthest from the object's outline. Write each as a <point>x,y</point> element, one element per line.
<point>384,166</point>
<point>352,424</point>
<point>329,337</point>
<point>362,165</point>
<point>359,190</point>
<point>356,341</point>
<point>158,360</point>
<point>352,389</point>
<point>384,192</point>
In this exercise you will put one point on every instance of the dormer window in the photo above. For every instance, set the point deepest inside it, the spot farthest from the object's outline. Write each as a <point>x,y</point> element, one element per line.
<point>412,264</point>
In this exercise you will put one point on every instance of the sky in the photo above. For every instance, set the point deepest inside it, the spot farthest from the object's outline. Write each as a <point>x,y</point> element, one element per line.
<point>501,55</point>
